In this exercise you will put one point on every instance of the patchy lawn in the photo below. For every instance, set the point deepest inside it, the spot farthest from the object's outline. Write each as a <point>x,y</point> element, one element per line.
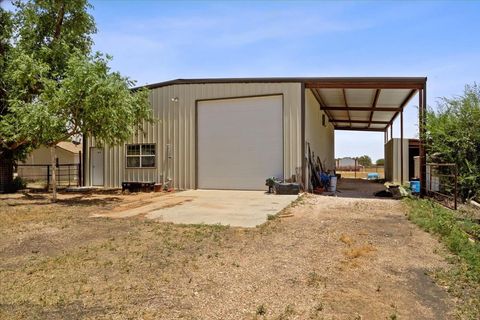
<point>460,234</point>
<point>328,257</point>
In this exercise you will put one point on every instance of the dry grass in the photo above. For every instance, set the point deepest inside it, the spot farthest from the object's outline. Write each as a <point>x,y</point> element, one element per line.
<point>57,262</point>
<point>357,252</point>
<point>363,173</point>
<point>346,239</point>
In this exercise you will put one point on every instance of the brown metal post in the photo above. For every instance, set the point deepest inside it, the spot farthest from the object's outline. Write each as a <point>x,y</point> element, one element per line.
<point>455,196</point>
<point>424,130</point>
<point>401,147</point>
<point>79,169</point>
<point>421,125</point>
<point>429,177</point>
<point>48,177</point>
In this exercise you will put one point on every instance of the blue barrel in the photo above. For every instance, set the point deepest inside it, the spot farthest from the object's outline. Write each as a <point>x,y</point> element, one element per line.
<point>415,186</point>
<point>372,176</point>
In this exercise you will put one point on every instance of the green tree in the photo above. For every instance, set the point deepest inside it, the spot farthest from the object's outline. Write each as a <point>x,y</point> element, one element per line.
<point>6,153</point>
<point>57,89</point>
<point>453,136</point>
<point>380,162</point>
<point>365,161</point>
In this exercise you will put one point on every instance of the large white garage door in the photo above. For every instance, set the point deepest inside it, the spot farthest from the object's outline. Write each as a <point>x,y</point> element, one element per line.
<point>240,142</point>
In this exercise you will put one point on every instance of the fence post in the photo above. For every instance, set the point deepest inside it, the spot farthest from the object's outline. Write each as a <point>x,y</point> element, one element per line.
<point>430,178</point>
<point>456,186</point>
<point>48,177</point>
<point>79,169</point>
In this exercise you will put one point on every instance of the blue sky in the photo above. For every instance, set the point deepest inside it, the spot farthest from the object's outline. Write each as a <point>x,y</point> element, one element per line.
<point>153,41</point>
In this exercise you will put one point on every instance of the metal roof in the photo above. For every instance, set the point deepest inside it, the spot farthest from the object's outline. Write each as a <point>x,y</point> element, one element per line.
<point>360,82</point>
<point>351,103</point>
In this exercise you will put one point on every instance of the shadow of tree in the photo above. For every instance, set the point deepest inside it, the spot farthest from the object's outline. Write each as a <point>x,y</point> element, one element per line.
<point>45,199</point>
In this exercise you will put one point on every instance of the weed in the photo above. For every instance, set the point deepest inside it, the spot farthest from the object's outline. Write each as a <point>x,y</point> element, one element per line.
<point>314,279</point>
<point>346,239</point>
<point>314,314</point>
<point>463,278</point>
<point>271,217</point>
<point>289,311</point>
<point>261,310</point>
<point>360,251</point>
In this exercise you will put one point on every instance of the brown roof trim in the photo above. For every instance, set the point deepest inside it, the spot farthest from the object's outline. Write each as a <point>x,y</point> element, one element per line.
<point>310,82</point>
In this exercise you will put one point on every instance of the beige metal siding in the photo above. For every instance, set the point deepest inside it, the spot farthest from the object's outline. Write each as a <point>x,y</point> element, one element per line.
<point>175,125</point>
<point>392,160</point>
<point>320,138</point>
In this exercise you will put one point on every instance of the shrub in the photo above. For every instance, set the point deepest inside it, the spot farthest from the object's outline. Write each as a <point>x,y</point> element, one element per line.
<point>18,184</point>
<point>453,137</point>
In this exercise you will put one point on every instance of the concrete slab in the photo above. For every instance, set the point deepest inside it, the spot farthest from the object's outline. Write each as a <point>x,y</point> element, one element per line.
<point>226,207</point>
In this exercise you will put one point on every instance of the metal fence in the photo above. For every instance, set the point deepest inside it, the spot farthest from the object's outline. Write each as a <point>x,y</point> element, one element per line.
<point>40,175</point>
<point>442,183</point>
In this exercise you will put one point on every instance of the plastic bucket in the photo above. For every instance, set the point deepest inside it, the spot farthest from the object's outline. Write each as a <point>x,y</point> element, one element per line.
<point>333,184</point>
<point>415,186</point>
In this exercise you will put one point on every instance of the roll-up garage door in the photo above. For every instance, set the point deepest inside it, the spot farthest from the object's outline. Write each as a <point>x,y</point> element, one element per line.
<point>240,142</point>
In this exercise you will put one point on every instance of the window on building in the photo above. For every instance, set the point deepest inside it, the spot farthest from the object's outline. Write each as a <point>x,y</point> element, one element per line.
<point>323,120</point>
<point>141,155</point>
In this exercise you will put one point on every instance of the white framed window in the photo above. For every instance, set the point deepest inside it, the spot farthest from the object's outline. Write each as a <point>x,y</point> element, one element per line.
<point>141,155</point>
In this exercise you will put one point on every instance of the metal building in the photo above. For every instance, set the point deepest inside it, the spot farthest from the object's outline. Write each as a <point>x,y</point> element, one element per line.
<point>234,133</point>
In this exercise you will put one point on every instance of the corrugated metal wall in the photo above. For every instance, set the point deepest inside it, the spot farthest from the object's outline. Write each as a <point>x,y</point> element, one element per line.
<point>175,126</point>
<point>392,160</point>
<point>320,138</point>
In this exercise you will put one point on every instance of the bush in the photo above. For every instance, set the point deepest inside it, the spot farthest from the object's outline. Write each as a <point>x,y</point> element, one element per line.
<point>18,184</point>
<point>453,137</point>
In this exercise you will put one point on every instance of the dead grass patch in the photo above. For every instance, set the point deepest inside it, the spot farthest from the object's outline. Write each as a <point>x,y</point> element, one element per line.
<point>57,262</point>
<point>360,251</point>
<point>346,239</point>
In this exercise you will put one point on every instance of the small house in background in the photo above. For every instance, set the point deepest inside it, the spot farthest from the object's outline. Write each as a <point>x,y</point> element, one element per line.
<point>67,153</point>
<point>393,153</point>
<point>37,166</point>
<point>347,164</point>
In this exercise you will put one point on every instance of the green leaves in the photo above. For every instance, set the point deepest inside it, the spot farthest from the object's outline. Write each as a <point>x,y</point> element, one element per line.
<point>453,135</point>
<point>55,88</point>
<point>365,161</point>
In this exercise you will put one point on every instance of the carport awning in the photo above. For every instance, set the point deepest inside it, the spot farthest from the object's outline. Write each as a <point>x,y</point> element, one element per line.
<point>364,104</point>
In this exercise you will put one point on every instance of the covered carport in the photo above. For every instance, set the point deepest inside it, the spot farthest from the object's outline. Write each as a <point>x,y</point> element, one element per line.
<point>372,104</point>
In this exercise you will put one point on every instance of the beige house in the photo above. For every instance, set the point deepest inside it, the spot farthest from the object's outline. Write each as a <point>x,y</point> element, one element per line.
<point>67,153</point>
<point>235,133</point>
<point>35,166</point>
<point>347,163</point>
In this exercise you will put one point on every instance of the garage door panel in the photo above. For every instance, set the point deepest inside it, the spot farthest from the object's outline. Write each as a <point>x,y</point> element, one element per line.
<point>240,142</point>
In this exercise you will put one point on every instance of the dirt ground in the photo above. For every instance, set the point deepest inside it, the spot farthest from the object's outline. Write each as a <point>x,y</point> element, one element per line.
<point>335,258</point>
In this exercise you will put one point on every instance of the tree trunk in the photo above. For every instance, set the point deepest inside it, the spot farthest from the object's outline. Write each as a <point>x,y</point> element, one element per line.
<point>54,171</point>
<point>6,171</point>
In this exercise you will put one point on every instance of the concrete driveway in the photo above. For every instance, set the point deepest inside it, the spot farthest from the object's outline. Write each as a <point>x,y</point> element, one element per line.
<point>226,207</point>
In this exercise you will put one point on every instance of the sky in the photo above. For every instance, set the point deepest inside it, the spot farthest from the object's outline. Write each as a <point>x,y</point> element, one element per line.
<point>154,41</point>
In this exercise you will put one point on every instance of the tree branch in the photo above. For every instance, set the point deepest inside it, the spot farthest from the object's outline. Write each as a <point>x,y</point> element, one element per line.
<point>59,22</point>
